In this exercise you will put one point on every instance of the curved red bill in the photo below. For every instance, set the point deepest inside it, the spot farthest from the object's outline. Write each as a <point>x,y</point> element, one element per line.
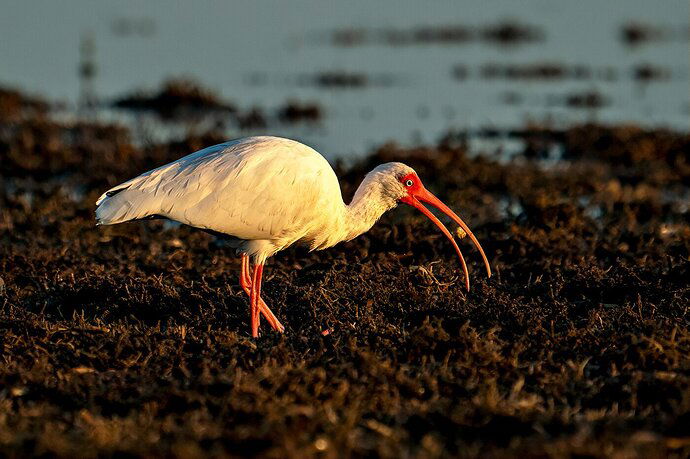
<point>423,195</point>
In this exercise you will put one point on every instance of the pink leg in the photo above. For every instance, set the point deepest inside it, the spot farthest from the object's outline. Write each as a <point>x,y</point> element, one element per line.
<point>254,299</point>
<point>246,283</point>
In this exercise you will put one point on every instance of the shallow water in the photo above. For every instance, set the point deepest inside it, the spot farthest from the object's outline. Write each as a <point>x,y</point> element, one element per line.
<point>264,53</point>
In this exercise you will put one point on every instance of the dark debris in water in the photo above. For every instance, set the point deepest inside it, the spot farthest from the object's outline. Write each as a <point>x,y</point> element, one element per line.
<point>254,118</point>
<point>588,99</point>
<point>342,79</point>
<point>554,71</point>
<point>176,99</point>
<point>580,100</point>
<point>648,72</point>
<point>296,112</point>
<point>637,33</point>
<point>510,33</point>
<point>188,101</point>
<point>545,71</point>
<point>504,33</point>
<point>132,340</point>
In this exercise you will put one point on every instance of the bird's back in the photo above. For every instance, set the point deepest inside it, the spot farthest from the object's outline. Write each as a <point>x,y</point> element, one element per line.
<point>255,188</point>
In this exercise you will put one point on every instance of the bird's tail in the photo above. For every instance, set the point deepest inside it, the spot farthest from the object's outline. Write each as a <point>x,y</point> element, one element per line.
<point>121,204</point>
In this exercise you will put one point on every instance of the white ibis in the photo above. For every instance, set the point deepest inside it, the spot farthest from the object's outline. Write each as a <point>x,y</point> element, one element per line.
<point>267,193</point>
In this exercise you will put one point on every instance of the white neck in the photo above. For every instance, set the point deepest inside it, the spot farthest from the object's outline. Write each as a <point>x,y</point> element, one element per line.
<point>379,192</point>
<point>368,205</point>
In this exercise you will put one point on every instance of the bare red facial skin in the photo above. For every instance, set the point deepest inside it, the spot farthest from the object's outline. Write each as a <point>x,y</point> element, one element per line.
<point>416,183</point>
<point>416,194</point>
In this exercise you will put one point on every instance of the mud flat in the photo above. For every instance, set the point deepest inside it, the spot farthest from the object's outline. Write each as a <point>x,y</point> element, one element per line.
<point>133,339</point>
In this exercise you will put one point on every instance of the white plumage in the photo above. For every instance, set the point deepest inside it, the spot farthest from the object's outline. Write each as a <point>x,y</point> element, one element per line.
<point>266,193</point>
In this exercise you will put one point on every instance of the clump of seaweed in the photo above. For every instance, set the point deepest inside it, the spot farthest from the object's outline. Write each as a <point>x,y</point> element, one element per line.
<point>177,98</point>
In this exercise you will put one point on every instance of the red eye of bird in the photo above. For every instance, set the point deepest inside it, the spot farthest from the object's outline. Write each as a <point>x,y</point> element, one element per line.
<point>409,183</point>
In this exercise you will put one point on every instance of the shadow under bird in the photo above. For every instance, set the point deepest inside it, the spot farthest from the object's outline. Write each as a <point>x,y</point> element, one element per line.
<point>267,193</point>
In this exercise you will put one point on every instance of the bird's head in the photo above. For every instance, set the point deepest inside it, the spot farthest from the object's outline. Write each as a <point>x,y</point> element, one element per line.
<point>400,183</point>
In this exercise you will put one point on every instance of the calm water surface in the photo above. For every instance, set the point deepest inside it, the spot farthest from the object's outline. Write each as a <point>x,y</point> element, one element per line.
<point>259,54</point>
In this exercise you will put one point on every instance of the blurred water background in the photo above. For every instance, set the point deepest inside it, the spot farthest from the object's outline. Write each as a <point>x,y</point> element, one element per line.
<point>363,72</point>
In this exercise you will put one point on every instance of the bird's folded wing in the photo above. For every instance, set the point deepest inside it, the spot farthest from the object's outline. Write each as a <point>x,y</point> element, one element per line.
<point>259,189</point>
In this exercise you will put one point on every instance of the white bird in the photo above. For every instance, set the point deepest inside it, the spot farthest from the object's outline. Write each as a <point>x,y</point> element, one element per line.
<point>268,193</point>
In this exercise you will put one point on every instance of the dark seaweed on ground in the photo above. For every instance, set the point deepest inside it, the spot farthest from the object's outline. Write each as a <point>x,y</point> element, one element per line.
<point>132,339</point>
